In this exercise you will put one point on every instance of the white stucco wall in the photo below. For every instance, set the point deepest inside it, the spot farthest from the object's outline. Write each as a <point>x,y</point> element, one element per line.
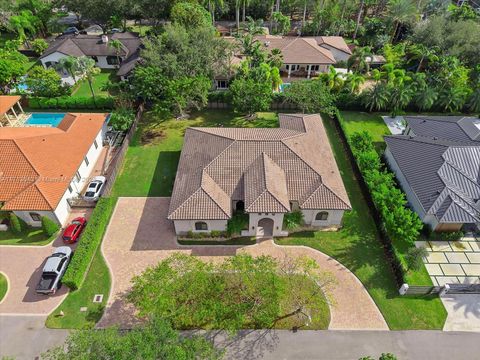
<point>337,54</point>
<point>303,67</point>
<point>182,227</point>
<point>334,218</point>
<point>25,216</point>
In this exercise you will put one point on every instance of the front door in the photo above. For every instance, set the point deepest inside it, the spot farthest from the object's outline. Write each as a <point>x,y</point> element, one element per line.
<point>265,227</point>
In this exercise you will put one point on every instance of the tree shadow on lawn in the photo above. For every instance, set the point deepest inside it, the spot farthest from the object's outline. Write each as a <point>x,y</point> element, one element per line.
<point>164,174</point>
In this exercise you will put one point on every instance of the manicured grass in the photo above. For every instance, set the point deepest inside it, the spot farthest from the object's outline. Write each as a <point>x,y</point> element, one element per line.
<point>236,241</point>
<point>357,247</point>
<point>149,168</point>
<point>83,89</point>
<point>3,286</point>
<point>97,281</point>
<point>30,236</point>
<point>355,121</point>
<point>140,29</point>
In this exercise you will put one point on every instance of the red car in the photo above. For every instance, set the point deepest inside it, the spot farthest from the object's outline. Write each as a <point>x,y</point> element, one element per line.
<point>73,231</point>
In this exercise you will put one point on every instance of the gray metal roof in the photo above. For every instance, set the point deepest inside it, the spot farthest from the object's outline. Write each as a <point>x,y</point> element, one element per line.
<point>465,130</point>
<point>444,175</point>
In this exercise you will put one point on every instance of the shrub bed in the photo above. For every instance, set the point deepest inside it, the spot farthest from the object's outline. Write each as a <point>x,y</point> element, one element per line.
<point>71,102</point>
<point>49,226</point>
<point>91,239</point>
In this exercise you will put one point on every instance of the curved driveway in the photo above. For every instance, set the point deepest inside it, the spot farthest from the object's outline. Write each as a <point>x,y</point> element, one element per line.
<point>139,235</point>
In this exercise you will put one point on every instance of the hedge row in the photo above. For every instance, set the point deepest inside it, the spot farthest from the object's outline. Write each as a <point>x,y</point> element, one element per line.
<point>88,244</point>
<point>71,102</point>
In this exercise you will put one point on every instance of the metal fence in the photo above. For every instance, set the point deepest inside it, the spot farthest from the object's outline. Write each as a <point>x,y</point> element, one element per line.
<point>116,161</point>
<point>437,290</point>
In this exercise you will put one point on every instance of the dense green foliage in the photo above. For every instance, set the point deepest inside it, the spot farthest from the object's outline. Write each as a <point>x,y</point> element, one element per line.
<point>49,226</point>
<point>237,223</point>
<point>15,223</point>
<point>39,46</point>
<point>191,293</point>
<point>154,340</point>
<point>414,257</point>
<point>45,82</point>
<point>91,239</point>
<point>71,102</point>
<point>190,15</point>
<point>121,119</point>
<point>293,220</point>
<point>401,223</point>
<point>13,65</point>
<point>311,96</point>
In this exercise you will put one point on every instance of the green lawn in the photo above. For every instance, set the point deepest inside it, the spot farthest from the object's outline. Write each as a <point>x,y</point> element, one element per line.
<point>150,166</point>
<point>82,89</point>
<point>355,121</point>
<point>97,282</point>
<point>30,236</point>
<point>357,247</point>
<point>3,286</point>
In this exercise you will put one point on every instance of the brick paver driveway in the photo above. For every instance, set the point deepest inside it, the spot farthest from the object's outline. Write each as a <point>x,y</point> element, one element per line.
<point>139,235</point>
<point>23,266</point>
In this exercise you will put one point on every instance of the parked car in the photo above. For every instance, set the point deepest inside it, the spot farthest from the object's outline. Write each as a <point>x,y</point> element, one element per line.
<point>73,230</point>
<point>53,271</point>
<point>95,188</point>
<point>115,30</point>
<point>71,30</point>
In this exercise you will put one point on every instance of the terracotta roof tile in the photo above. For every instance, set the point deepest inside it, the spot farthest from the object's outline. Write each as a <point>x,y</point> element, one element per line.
<point>6,102</point>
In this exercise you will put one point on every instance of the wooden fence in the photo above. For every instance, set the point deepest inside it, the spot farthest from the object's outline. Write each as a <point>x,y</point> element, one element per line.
<point>117,160</point>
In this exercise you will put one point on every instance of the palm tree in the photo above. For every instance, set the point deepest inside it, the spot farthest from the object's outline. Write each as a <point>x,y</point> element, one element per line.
<point>245,4</point>
<point>422,53</point>
<point>400,96</point>
<point>474,100</point>
<point>212,6</point>
<point>70,65</point>
<point>425,98</point>
<point>354,81</point>
<point>275,58</point>
<point>87,67</point>
<point>359,16</point>
<point>24,22</point>
<point>237,13</point>
<point>359,59</point>
<point>332,78</point>
<point>117,46</point>
<point>452,98</point>
<point>377,97</point>
<point>400,12</point>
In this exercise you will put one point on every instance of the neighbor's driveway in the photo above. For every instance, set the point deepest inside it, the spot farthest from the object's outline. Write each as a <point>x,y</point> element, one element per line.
<point>139,235</point>
<point>23,267</point>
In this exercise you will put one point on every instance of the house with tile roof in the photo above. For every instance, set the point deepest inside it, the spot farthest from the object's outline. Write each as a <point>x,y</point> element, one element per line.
<point>265,172</point>
<point>99,49</point>
<point>437,163</point>
<point>41,168</point>
<point>336,45</point>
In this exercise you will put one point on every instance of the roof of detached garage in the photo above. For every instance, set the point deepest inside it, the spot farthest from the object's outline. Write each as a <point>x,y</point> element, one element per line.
<point>267,168</point>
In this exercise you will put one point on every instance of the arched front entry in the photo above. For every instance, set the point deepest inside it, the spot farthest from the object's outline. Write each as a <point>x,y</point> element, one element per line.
<point>265,227</point>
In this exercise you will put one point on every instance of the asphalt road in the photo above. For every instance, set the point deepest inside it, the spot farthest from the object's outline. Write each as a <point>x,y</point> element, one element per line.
<point>24,337</point>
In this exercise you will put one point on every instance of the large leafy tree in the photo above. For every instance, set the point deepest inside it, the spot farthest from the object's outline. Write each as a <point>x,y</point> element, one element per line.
<point>13,65</point>
<point>44,82</point>
<point>155,340</point>
<point>190,15</point>
<point>311,96</point>
<point>250,96</point>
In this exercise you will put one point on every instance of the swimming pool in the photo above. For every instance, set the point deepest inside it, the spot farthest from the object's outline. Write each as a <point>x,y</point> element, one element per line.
<point>45,119</point>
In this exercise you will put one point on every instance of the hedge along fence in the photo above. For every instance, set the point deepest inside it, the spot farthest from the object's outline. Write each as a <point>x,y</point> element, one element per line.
<point>390,251</point>
<point>89,242</point>
<point>71,102</point>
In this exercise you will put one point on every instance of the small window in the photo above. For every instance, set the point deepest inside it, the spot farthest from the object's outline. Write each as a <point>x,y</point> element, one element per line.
<point>86,161</point>
<point>113,60</point>
<point>287,66</point>
<point>70,189</point>
<point>314,67</point>
<point>222,84</point>
<point>322,215</point>
<point>35,216</point>
<point>95,144</point>
<point>201,225</point>
<point>77,177</point>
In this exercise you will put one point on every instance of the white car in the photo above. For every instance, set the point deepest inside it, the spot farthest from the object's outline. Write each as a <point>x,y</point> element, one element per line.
<point>95,188</point>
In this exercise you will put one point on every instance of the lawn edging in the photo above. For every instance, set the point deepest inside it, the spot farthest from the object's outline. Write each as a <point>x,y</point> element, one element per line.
<point>4,286</point>
<point>90,241</point>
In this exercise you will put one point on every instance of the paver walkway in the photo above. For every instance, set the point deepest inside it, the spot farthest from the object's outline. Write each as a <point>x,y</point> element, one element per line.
<point>139,235</point>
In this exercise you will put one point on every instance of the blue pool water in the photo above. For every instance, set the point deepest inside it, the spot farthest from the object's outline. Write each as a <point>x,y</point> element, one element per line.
<point>51,119</point>
<point>283,86</point>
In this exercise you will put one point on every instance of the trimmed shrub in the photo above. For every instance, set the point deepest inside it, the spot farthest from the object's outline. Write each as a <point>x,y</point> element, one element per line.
<point>91,239</point>
<point>237,223</point>
<point>71,102</point>
<point>15,223</point>
<point>293,220</point>
<point>49,226</point>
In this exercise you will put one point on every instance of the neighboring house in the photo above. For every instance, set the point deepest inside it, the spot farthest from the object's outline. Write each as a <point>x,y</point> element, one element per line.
<point>437,163</point>
<point>43,167</point>
<point>265,172</point>
<point>337,46</point>
<point>98,48</point>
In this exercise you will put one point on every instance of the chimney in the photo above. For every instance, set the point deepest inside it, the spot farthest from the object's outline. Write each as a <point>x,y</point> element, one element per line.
<point>104,39</point>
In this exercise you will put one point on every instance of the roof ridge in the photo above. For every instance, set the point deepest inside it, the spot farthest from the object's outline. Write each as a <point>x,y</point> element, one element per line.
<point>188,198</point>
<point>464,205</point>
<point>204,172</point>
<point>321,50</point>
<point>459,170</point>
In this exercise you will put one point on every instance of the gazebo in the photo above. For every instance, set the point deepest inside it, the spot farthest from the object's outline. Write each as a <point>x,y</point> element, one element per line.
<point>11,112</point>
